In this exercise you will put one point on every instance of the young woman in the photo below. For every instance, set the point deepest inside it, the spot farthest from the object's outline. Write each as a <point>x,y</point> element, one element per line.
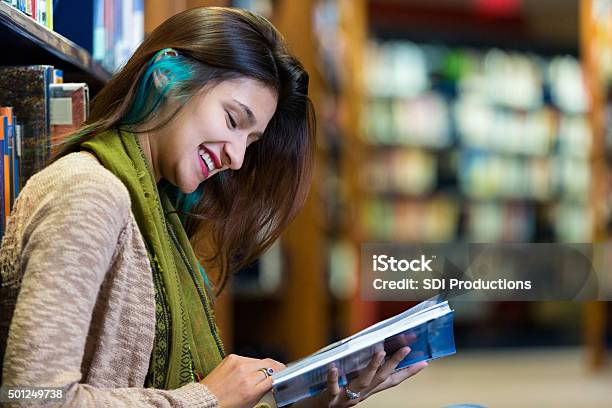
<point>105,296</point>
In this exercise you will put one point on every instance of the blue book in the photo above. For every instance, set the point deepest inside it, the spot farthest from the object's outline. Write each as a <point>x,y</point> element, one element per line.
<point>427,328</point>
<point>3,131</point>
<point>10,154</point>
<point>14,163</point>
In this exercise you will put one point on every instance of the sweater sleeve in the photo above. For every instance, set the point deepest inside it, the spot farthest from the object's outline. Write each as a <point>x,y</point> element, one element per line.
<point>69,243</point>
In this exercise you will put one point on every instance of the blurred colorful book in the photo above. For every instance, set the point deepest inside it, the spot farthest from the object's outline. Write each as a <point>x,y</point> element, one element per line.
<point>39,10</point>
<point>4,207</point>
<point>69,109</point>
<point>26,89</point>
<point>9,178</point>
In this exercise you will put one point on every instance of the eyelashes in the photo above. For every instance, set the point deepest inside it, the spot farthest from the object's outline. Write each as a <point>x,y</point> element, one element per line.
<point>234,125</point>
<point>231,119</point>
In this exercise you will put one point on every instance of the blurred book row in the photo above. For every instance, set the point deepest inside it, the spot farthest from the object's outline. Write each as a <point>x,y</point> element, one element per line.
<point>110,30</point>
<point>505,133</point>
<point>118,30</point>
<point>37,113</point>
<point>482,174</point>
<point>39,10</point>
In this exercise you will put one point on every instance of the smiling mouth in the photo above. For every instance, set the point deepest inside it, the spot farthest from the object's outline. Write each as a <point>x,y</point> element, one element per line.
<point>207,159</point>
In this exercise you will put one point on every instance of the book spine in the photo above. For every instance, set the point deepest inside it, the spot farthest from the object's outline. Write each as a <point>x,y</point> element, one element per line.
<point>86,102</point>
<point>58,76</point>
<point>9,137</point>
<point>98,30</point>
<point>17,130</point>
<point>46,151</point>
<point>7,175</point>
<point>14,162</point>
<point>11,156</point>
<point>49,16</point>
<point>137,25</point>
<point>110,31</point>
<point>41,8</point>
<point>2,175</point>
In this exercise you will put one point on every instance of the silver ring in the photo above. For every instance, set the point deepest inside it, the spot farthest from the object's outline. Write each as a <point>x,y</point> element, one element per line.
<point>267,371</point>
<point>351,394</point>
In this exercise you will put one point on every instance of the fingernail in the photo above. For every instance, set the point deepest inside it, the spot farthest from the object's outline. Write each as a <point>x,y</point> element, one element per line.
<point>408,350</point>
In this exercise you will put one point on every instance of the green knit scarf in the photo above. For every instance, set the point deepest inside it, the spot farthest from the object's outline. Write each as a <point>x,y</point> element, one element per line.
<point>187,344</point>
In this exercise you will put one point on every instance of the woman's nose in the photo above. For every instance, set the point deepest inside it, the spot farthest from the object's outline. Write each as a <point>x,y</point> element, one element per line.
<point>233,153</point>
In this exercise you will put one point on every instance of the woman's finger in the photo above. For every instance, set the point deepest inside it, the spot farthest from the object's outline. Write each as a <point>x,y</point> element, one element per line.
<point>397,377</point>
<point>410,338</point>
<point>367,374</point>
<point>405,373</point>
<point>333,388</point>
<point>273,364</point>
<point>389,366</point>
<point>263,386</point>
<point>257,376</point>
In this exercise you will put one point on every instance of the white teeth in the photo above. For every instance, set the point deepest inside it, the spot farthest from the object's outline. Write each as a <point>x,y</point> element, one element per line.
<point>207,159</point>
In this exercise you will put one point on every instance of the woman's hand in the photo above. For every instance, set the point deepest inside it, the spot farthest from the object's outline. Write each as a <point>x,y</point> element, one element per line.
<point>238,382</point>
<point>376,377</point>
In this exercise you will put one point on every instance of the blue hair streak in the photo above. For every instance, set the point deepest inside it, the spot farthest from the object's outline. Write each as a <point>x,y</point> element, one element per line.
<point>149,96</point>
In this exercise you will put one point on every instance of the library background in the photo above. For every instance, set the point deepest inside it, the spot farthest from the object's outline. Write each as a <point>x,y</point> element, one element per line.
<point>438,121</point>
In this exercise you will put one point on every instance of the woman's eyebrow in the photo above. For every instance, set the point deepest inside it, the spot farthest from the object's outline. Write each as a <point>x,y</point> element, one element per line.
<point>249,112</point>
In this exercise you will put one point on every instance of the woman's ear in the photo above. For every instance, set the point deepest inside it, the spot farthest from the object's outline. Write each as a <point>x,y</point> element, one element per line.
<point>159,78</point>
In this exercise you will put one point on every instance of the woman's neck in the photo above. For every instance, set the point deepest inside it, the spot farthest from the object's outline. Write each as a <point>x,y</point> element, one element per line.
<point>147,144</point>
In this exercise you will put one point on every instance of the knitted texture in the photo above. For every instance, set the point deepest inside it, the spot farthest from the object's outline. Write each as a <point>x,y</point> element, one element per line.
<point>74,268</point>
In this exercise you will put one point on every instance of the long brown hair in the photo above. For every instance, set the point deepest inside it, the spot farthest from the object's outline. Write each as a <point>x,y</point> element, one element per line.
<point>242,212</point>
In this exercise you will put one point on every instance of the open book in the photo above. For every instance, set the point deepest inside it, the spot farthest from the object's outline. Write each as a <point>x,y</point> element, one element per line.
<point>426,328</point>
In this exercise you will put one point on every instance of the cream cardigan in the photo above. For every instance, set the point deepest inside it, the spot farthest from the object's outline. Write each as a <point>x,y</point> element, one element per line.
<point>84,316</point>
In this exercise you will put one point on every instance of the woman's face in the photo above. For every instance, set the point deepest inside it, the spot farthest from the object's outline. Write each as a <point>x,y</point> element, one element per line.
<point>211,132</point>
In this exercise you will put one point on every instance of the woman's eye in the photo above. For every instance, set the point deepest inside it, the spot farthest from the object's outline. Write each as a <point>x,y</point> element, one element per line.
<point>231,119</point>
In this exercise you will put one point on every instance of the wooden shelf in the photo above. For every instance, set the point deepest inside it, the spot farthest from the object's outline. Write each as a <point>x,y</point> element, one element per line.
<point>23,41</point>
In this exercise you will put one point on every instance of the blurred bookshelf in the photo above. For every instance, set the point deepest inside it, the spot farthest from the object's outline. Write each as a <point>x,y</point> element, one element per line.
<point>46,81</point>
<point>505,132</point>
<point>24,41</point>
<point>471,126</point>
<point>110,30</point>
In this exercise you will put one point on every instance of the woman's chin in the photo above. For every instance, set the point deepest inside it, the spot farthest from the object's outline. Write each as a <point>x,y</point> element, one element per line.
<point>187,187</point>
<point>188,190</point>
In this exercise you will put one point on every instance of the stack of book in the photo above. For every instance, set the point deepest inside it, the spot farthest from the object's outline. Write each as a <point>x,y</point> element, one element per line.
<point>37,112</point>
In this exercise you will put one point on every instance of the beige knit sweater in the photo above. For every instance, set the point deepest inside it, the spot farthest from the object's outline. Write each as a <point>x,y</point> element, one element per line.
<point>84,317</point>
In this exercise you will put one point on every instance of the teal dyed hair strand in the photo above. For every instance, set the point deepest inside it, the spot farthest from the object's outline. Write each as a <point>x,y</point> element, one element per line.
<point>149,97</point>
